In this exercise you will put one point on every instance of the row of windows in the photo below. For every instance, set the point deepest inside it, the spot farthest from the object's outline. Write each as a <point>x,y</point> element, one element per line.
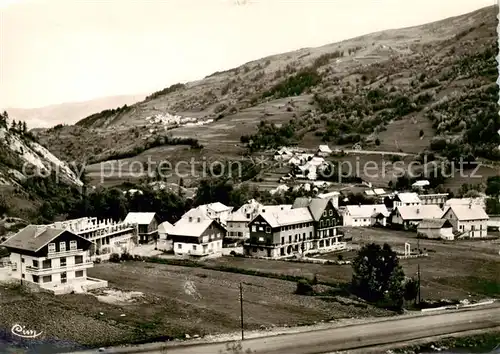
<point>237,224</point>
<point>284,228</point>
<point>62,246</point>
<point>48,263</point>
<point>48,278</point>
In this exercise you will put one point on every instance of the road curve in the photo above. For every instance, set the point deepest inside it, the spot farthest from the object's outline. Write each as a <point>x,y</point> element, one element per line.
<point>350,337</point>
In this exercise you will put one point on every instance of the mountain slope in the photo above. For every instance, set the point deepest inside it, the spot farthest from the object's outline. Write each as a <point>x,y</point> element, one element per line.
<point>71,112</point>
<point>392,90</point>
<point>25,166</point>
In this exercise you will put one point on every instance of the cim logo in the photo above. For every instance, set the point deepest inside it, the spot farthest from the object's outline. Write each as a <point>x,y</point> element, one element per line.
<point>22,332</point>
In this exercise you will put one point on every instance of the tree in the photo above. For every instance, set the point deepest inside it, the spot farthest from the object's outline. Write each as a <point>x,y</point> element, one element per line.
<point>4,206</point>
<point>304,288</point>
<point>411,289</point>
<point>377,275</point>
<point>493,186</point>
<point>3,119</point>
<point>377,141</point>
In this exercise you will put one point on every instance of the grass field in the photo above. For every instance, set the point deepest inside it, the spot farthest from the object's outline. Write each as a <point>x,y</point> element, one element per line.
<point>453,270</point>
<point>175,301</point>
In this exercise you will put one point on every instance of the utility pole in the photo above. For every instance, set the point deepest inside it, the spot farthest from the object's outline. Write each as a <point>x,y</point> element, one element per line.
<point>418,274</point>
<point>241,311</point>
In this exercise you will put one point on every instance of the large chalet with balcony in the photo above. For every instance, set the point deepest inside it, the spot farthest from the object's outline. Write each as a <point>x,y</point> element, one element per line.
<point>55,259</point>
<point>197,236</point>
<point>310,226</point>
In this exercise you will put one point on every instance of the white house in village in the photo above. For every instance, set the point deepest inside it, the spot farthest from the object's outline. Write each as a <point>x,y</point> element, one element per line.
<point>480,201</point>
<point>197,237</point>
<point>435,229</point>
<point>214,211</point>
<point>468,220</point>
<point>406,199</point>
<point>54,259</point>
<point>323,151</point>
<point>237,222</point>
<point>438,199</point>
<point>333,196</point>
<point>283,154</point>
<point>311,168</point>
<point>146,224</point>
<point>365,215</point>
<point>408,216</point>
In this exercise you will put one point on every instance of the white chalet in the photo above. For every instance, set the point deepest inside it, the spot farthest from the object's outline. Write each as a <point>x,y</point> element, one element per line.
<point>411,215</point>
<point>480,201</point>
<point>323,151</point>
<point>197,237</point>
<point>468,220</point>
<point>365,215</point>
<point>406,199</point>
<point>54,259</point>
<point>214,211</point>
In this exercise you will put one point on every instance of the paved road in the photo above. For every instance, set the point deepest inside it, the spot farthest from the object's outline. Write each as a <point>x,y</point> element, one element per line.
<point>390,331</point>
<point>374,152</point>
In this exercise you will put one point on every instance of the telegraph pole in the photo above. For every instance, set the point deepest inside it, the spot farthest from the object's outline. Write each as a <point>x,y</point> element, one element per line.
<point>241,311</point>
<point>418,274</point>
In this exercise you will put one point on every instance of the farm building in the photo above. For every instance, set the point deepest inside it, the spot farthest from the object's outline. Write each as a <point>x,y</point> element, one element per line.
<point>435,229</point>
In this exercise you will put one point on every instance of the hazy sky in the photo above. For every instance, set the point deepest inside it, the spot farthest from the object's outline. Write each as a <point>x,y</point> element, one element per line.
<point>58,51</point>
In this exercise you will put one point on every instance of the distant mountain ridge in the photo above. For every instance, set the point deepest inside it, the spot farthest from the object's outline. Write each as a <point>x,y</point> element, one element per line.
<point>69,112</point>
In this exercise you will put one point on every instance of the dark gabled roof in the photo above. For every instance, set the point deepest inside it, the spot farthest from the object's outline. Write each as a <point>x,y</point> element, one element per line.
<point>34,237</point>
<point>434,224</point>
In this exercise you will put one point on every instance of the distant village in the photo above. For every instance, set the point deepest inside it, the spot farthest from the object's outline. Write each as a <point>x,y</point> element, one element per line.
<point>56,257</point>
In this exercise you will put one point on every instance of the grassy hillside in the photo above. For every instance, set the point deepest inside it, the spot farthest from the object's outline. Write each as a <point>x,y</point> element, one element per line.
<point>399,90</point>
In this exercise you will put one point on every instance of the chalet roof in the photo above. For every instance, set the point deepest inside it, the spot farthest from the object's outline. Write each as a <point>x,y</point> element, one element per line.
<point>366,211</point>
<point>328,195</point>
<point>218,207</point>
<point>434,224</point>
<point>287,217</point>
<point>316,206</point>
<point>139,218</point>
<point>468,212</point>
<point>465,201</point>
<point>419,212</point>
<point>408,197</point>
<point>34,237</point>
<point>194,228</point>
<point>165,227</point>
<point>255,209</point>
<point>324,148</point>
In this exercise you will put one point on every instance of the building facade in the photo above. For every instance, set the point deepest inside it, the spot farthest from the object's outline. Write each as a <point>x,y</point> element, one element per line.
<point>197,237</point>
<point>365,215</point>
<point>468,221</point>
<point>310,226</point>
<point>438,199</point>
<point>146,225</point>
<point>51,258</point>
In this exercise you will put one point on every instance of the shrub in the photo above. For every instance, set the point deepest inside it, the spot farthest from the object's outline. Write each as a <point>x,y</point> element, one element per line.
<point>114,257</point>
<point>304,288</point>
